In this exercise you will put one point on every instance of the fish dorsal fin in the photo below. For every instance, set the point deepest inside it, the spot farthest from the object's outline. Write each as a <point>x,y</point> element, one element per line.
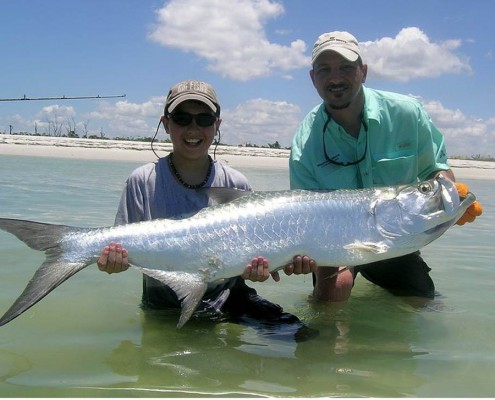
<point>222,195</point>
<point>189,289</point>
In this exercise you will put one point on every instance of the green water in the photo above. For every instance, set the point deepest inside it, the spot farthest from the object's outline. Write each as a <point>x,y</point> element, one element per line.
<point>90,338</point>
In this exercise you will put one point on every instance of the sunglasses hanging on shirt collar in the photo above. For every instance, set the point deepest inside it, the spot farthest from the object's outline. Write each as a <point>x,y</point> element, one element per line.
<point>342,164</point>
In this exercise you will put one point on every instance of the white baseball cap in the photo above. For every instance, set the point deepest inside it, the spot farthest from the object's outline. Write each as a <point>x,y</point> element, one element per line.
<point>341,42</point>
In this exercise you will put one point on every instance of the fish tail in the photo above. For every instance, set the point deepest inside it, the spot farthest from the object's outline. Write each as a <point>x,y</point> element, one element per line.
<point>56,268</point>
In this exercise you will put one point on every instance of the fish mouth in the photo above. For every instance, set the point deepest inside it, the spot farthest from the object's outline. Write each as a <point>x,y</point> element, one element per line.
<point>440,227</point>
<point>450,196</point>
<point>453,205</point>
<point>465,202</point>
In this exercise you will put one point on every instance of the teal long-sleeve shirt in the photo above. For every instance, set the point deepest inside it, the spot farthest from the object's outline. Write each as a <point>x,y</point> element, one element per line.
<point>400,143</point>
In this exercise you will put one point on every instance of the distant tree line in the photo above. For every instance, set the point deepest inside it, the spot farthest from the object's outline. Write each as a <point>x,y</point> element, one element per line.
<point>56,128</point>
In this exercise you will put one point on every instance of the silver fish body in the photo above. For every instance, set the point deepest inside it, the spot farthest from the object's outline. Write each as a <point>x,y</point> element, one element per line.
<point>343,227</point>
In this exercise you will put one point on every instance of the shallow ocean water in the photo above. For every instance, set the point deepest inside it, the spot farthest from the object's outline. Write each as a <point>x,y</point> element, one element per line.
<point>90,338</point>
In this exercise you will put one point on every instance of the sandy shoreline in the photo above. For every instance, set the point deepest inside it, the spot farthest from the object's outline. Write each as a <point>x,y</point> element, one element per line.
<point>120,150</point>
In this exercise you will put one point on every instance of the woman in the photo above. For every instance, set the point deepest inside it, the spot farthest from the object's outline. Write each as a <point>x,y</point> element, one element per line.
<point>166,189</point>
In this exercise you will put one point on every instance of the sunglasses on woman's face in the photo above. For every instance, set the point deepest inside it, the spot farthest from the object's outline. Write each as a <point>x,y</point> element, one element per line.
<point>184,119</point>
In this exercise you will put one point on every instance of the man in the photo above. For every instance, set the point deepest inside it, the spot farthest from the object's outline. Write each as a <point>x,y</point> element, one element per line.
<point>358,138</point>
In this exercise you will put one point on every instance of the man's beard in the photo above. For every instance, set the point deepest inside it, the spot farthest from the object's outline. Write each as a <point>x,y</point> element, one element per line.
<point>339,106</point>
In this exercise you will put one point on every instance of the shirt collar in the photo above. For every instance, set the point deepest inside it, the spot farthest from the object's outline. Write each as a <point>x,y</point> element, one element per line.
<point>371,105</point>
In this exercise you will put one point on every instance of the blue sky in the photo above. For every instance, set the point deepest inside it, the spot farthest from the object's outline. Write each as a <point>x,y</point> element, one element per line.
<point>254,52</point>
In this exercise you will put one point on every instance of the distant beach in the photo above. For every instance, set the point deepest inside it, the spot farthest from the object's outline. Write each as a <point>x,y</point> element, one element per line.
<point>123,150</point>
<point>126,150</point>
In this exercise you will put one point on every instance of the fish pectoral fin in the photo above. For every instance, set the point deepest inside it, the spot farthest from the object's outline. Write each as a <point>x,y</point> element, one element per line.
<point>189,289</point>
<point>373,247</point>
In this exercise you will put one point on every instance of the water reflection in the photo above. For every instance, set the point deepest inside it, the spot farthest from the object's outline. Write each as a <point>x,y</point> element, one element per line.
<point>354,354</point>
<point>370,349</point>
<point>204,352</point>
<point>12,364</point>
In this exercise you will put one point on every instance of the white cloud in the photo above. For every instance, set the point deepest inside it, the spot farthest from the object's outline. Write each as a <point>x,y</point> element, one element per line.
<point>57,112</point>
<point>129,119</point>
<point>17,121</point>
<point>464,135</point>
<point>230,36</point>
<point>152,108</point>
<point>53,120</point>
<point>256,121</point>
<point>412,55</point>
<point>261,122</point>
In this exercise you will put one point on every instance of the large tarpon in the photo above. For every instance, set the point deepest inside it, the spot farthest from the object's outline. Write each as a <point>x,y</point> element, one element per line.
<point>343,227</point>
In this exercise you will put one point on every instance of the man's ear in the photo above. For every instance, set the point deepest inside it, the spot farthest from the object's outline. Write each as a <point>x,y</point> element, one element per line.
<point>312,76</point>
<point>364,69</point>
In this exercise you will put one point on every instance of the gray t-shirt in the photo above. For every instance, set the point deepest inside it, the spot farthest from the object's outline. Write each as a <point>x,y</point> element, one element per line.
<point>153,192</point>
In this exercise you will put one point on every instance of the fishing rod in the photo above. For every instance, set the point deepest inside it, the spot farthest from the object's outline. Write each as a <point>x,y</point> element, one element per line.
<point>62,98</point>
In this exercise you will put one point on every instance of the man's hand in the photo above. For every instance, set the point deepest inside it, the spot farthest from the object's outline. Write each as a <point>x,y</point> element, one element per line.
<point>300,265</point>
<point>473,211</point>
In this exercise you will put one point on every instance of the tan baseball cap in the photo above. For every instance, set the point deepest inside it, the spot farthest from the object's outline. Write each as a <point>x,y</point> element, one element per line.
<point>192,90</point>
<point>341,42</point>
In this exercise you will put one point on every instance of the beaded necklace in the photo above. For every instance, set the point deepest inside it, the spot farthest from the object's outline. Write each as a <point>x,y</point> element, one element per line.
<point>181,181</point>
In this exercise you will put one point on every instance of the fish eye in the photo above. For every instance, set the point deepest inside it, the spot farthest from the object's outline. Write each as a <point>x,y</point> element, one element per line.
<point>425,187</point>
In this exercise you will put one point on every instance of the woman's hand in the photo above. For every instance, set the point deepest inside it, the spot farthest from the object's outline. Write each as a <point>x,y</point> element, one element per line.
<point>257,271</point>
<point>113,259</point>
